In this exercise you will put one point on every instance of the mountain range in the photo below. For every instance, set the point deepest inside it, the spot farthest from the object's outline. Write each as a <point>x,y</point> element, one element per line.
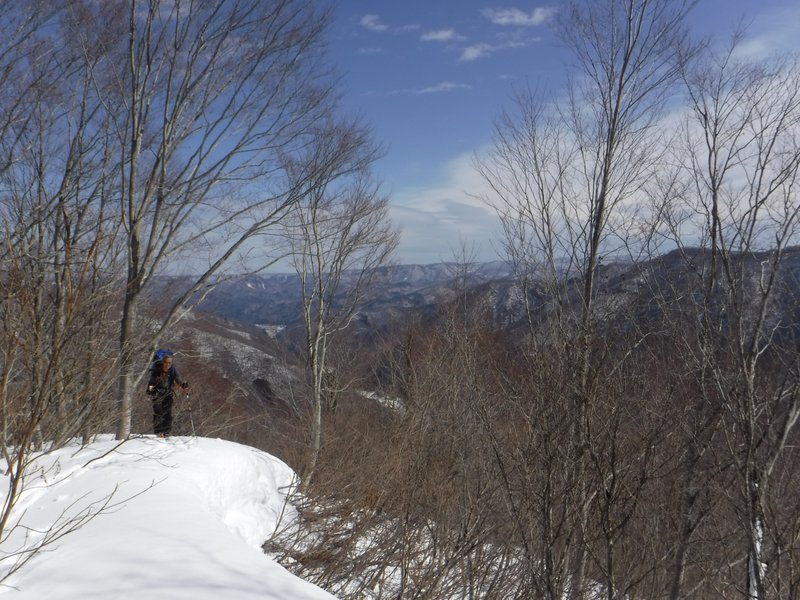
<point>273,299</point>
<point>245,327</point>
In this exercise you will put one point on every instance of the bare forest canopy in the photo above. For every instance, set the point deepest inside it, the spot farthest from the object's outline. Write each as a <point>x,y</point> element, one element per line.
<point>613,411</point>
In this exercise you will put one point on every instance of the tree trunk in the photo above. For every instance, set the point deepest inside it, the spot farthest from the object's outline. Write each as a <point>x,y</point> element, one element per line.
<point>125,385</point>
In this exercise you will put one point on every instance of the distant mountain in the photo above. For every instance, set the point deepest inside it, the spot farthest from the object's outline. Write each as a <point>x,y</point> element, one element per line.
<point>623,289</point>
<point>641,295</point>
<point>275,299</point>
<point>236,336</point>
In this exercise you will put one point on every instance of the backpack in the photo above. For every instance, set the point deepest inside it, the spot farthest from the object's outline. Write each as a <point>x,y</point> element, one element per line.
<point>155,368</point>
<point>158,358</point>
<point>161,354</point>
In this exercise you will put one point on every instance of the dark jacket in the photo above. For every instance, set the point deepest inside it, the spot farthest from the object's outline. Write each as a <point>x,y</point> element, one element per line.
<point>162,384</point>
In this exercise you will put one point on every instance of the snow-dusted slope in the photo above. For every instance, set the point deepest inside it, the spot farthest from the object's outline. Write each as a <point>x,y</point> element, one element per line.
<point>186,519</point>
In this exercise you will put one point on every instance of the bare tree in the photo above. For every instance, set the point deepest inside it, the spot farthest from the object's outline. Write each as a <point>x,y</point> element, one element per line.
<point>205,101</point>
<point>567,178</point>
<point>339,235</point>
<point>22,57</point>
<point>743,161</point>
<point>412,507</point>
<point>58,246</point>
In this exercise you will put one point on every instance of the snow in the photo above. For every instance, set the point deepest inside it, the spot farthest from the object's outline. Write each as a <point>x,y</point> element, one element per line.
<point>178,518</point>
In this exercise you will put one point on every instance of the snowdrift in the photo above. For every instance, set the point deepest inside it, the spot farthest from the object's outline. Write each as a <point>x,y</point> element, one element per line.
<point>173,519</point>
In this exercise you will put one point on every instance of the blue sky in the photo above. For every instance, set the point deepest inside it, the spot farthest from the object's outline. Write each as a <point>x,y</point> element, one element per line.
<point>431,76</point>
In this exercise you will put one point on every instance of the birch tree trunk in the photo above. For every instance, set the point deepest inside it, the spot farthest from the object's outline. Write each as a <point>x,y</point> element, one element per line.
<point>339,235</point>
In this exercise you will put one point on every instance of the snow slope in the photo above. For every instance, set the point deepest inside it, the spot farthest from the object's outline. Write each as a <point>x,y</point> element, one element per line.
<point>185,519</point>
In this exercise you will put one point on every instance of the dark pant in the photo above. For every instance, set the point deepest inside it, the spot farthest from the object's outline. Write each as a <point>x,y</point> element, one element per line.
<point>162,414</point>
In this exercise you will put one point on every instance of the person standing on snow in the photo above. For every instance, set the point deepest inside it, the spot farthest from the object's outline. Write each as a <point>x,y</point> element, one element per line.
<point>161,387</point>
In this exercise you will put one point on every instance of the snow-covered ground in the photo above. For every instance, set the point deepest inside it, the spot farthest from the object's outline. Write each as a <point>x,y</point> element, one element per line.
<point>184,518</point>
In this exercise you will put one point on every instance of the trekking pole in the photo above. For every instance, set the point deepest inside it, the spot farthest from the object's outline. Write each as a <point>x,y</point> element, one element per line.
<point>191,416</point>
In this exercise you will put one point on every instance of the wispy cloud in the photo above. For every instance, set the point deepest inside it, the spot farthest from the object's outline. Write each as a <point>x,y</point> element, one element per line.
<point>477,51</point>
<point>439,88</point>
<point>517,17</point>
<point>369,50</point>
<point>373,23</point>
<point>771,32</point>
<point>408,28</point>
<point>436,219</point>
<point>445,86</point>
<point>441,35</point>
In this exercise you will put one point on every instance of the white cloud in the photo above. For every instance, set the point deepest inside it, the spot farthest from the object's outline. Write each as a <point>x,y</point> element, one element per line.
<point>369,50</point>
<point>773,32</point>
<point>476,51</point>
<point>445,86</point>
<point>481,50</point>
<point>442,35</point>
<point>373,22</point>
<point>515,16</point>
<point>436,220</point>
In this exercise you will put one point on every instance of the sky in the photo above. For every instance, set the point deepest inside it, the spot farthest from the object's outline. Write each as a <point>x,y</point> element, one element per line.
<point>432,76</point>
<point>185,519</point>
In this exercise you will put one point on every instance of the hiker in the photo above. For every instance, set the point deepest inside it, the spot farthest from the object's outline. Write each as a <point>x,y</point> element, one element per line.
<point>161,387</point>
